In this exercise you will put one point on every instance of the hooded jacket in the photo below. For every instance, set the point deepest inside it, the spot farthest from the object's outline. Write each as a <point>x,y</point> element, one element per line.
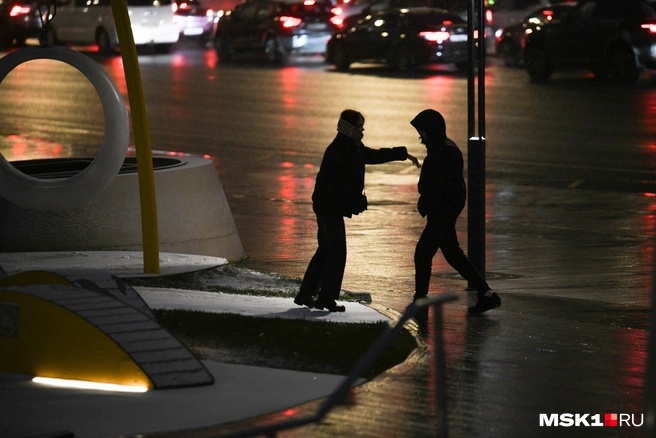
<point>441,182</point>
<point>340,182</point>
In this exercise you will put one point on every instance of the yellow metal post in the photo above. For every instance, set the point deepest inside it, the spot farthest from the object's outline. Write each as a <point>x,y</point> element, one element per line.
<point>145,170</point>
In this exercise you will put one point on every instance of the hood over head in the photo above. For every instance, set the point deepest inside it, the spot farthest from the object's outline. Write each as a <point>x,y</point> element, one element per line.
<point>432,123</point>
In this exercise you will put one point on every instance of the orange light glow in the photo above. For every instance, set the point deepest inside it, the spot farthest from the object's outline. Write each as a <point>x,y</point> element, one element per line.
<point>438,37</point>
<point>650,27</point>
<point>17,10</point>
<point>290,21</point>
<point>337,21</point>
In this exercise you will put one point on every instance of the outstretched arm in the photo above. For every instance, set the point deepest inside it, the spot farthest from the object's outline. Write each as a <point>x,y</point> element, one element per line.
<point>414,160</point>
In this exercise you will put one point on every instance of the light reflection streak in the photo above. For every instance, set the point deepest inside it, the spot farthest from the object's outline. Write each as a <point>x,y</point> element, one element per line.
<point>287,192</point>
<point>439,88</point>
<point>290,190</point>
<point>22,148</point>
<point>114,66</point>
<point>289,78</point>
<point>82,384</point>
<point>634,364</point>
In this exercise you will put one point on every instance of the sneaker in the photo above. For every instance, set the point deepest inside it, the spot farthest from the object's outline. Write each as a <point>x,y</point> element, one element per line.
<point>304,301</point>
<point>485,303</point>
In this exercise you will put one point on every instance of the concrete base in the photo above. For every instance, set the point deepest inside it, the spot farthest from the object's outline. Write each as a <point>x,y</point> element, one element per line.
<point>193,216</point>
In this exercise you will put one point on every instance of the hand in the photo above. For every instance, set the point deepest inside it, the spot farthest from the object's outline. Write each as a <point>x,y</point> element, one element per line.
<point>414,160</point>
<point>363,203</point>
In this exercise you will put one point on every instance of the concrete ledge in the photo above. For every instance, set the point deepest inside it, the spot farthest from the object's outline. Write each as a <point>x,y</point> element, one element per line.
<point>193,217</point>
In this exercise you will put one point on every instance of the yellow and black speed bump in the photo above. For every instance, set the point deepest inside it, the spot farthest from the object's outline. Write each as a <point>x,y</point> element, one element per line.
<point>70,327</point>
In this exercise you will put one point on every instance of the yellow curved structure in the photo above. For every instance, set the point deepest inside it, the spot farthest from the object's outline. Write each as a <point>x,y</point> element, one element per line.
<point>34,277</point>
<point>41,338</point>
<point>90,328</point>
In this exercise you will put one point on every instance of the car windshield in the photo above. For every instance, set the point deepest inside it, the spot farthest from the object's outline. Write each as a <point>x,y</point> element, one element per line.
<point>451,5</point>
<point>649,11</point>
<point>148,3</point>
<point>510,5</point>
<point>627,8</point>
<point>433,19</point>
<point>316,7</point>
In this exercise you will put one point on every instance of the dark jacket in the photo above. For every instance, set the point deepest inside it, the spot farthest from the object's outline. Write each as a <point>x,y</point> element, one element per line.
<point>441,182</point>
<point>441,185</point>
<point>340,181</point>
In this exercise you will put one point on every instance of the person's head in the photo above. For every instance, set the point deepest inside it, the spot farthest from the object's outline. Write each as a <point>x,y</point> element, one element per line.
<point>353,117</point>
<point>431,127</point>
<point>351,123</point>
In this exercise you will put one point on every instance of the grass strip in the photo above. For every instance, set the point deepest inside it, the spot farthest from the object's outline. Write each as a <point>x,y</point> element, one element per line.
<point>323,347</point>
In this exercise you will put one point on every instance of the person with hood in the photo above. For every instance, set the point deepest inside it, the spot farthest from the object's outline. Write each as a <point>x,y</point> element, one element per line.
<point>442,195</point>
<point>338,193</point>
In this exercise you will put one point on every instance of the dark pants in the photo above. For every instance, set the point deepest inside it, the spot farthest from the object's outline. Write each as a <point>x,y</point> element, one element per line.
<point>325,272</point>
<point>440,233</point>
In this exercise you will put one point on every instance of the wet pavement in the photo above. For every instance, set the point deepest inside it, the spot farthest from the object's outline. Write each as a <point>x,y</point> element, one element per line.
<point>570,241</point>
<point>575,277</point>
<point>574,268</point>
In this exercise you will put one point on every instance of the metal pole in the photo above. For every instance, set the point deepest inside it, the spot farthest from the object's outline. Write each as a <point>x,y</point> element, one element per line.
<point>440,373</point>
<point>481,70</point>
<point>145,171</point>
<point>471,95</point>
<point>476,204</point>
<point>476,143</point>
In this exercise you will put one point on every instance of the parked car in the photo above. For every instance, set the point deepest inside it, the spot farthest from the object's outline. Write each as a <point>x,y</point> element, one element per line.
<point>276,28</point>
<point>193,19</point>
<point>404,38</point>
<point>19,20</point>
<point>615,39</point>
<point>459,7</point>
<point>503,13</point>
<point>510,40</point>
<point>91,22</point>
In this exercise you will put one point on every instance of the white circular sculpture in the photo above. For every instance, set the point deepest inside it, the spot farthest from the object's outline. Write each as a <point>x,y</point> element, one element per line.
<point>63,193</point>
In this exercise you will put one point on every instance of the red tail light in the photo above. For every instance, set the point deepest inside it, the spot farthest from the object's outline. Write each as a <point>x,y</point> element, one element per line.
<point>489,16</point>
<point>337,21</point>
<point>438,37</point>
<point>337,10</point>
<point>649,27</point>
<point>18,10</point>
<point>289,22</point>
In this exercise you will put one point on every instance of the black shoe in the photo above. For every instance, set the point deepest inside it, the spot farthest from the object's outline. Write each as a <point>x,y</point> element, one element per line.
<point>330,306</point>
<point>418,297</point>
<point>485,303</point>
<point>304,301</point>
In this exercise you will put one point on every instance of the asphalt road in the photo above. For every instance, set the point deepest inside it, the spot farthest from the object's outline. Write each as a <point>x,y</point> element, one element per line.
<point>570,221</point>
<point>266,129</point>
